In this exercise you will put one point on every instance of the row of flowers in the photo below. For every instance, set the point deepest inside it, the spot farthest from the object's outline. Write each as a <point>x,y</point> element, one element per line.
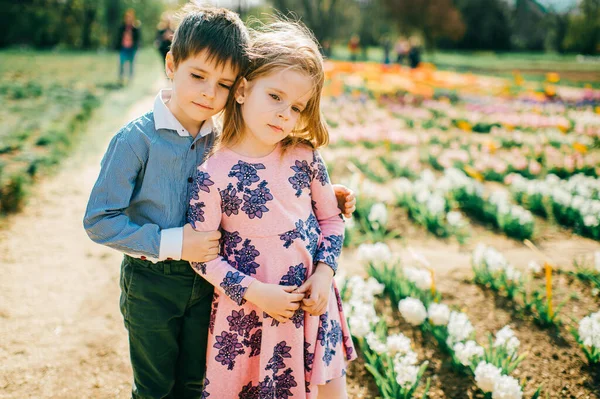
<point>491,269</point>
<point>388,357</point>
<point>573,203</point>
<point>455,189</point>
<point>418,302</point>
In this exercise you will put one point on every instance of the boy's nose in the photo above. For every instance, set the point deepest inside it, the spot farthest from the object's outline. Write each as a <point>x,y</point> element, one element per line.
<point>209,92</point>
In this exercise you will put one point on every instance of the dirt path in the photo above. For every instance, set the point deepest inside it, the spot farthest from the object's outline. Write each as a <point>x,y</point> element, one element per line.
<point>61,333</point>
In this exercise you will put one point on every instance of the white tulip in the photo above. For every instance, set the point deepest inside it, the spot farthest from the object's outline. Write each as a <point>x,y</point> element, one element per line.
<point>506,338</point>
<point>507,387</point>
<point>375,344</point>
<point>459,328</point>
<point>465,352</point>
<point>420,277</point>
<point>454,218</point>
<point>438,314</point>
<point>413,311</point>
<point>359,326</point>
<point>378,215</point>
<point>486,376</point>
<point>398,343</point>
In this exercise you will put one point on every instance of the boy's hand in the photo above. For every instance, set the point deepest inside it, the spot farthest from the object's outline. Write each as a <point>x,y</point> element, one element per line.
<point>199,246</point>
<point>316,289</point>
<point>346,199</point>
<point>277,301</point>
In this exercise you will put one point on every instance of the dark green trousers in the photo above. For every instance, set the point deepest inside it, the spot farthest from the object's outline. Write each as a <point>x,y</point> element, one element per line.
<point>166,307</point>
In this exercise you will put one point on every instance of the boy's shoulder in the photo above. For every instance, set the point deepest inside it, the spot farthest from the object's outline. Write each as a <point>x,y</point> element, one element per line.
<point>139,132</point>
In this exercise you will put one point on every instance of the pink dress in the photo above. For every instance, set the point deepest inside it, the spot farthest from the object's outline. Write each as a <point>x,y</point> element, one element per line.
<point>278,215</point>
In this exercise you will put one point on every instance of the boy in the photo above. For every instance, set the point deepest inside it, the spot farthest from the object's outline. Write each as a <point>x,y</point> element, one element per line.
<point>139,204</point>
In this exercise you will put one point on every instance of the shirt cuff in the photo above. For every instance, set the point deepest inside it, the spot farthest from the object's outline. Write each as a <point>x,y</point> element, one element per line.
<point>171,244</point>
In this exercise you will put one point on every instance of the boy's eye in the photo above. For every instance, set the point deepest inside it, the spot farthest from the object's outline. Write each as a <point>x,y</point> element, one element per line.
<point>197,76</point>
<point>225,86</point>
<point>275,97</point>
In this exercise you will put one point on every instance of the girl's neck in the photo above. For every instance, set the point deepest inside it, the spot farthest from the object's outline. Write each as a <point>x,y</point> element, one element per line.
<point>249,147</point>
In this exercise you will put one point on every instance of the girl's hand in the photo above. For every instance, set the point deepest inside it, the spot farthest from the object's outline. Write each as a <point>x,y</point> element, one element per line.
<point>278,301</point>
<point>316,290</point>
<point>346,199</point>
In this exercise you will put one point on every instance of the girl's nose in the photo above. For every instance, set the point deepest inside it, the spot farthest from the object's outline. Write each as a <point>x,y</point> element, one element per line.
<point>284,113</point>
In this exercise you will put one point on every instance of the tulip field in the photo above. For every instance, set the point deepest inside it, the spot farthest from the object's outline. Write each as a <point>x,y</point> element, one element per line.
<point>471,266</point>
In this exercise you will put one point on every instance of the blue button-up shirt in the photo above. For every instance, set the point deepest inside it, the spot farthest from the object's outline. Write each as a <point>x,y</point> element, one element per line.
<point>139,202</point>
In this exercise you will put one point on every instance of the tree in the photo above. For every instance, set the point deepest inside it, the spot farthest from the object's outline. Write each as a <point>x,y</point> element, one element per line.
<point>433,19</point>
<point>487,28</point>
<point>320,16</point>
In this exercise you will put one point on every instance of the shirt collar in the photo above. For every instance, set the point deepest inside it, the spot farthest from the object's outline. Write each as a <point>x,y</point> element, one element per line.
<point>164,118</point>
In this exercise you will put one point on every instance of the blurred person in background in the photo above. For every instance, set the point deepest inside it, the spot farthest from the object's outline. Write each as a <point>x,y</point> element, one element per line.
<point>354,47</point>
<point>164,35</point>
<point>414,54</point>
<point>127,43</point>
<point>401,48</point>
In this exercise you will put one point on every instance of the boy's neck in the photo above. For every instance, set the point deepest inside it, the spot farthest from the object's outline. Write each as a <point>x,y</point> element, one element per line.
<point>193,127</point>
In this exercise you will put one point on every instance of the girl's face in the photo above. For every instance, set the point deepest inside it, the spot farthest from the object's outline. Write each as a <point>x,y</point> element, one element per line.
<point>272,104</point>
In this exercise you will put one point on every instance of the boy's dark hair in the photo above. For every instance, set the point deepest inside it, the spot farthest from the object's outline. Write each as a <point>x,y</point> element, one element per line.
<point>219,31</point>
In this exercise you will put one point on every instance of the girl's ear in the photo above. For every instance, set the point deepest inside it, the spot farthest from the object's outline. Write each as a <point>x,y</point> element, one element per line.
<point>242,90</point>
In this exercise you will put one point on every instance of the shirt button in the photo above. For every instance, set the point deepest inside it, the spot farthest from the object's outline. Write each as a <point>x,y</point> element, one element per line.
<point>190,180</point>
<point>193,146</point>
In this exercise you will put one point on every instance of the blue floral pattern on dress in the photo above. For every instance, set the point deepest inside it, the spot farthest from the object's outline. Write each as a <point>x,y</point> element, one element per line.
<point>203,183</point>
<point>295,276</point>
<point>277,386</point>
<point>230,203</point>
<point>229,241</point>
<point>255,200</point>
<point>309,358</point>
<point>308,231</point>
<point>232,287</point>
<point>302,177</point>
<point>319,169</point>
<point>246,173</point>
<point>329,254</point>
<point>244,258</point>
<point>213,313</point>
<point>328,338</point>
<point>229,348</point>
<point>196,213</point>
<point>199,267</point>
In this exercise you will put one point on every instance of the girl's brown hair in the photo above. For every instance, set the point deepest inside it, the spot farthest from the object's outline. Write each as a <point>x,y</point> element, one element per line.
<point>281,45</point>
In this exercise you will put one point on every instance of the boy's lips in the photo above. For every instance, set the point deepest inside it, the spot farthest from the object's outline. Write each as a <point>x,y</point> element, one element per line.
<point>203,106</point>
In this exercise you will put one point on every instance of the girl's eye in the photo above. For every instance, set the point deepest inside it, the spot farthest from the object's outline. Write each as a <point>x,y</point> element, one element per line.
<point>225,86</point>
<point>197,76</point>
<point>274,97</point>
<point>296,110</point>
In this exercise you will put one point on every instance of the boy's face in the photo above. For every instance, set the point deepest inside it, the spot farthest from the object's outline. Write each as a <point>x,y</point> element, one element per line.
<point>273,104</point>
<point>200,88</point>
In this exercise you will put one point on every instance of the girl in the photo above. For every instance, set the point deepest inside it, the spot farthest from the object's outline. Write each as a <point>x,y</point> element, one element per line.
<point>268,190</point>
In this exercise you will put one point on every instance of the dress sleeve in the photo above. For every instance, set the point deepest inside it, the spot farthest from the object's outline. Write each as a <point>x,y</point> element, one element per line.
<point>204,214</point>
<point>328,214</point>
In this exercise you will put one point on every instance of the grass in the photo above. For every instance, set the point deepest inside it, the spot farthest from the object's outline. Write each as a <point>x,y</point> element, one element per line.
<point>49,98</point>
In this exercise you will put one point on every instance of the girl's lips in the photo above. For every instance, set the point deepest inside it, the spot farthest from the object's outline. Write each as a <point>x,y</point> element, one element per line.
<point>276,128</point>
